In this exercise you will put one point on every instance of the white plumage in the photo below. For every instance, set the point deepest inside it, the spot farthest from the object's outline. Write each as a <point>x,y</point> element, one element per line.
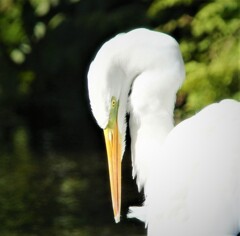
<point>190,173</point>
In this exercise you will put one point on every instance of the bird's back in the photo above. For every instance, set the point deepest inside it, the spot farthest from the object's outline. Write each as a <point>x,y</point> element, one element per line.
<point>194,188</point>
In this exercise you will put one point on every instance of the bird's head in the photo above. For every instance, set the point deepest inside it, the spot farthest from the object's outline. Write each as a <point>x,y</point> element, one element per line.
<point>105,84</point>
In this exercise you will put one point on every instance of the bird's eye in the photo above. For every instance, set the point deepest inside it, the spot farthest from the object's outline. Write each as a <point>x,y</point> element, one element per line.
<point>113,103</point>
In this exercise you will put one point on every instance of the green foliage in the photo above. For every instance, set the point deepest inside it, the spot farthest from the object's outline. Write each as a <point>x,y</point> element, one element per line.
<point>208,33</point>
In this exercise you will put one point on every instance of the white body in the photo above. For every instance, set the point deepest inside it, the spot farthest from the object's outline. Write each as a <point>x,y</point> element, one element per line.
<point>195,181</point>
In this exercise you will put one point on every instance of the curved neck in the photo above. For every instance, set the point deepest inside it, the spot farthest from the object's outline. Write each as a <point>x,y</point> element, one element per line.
<point>151,120</point>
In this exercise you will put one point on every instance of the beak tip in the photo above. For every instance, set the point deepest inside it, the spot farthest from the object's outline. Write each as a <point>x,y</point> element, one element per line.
<point>117,218</point>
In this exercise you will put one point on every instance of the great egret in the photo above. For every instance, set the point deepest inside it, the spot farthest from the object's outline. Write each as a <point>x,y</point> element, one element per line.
<point>190,173</point>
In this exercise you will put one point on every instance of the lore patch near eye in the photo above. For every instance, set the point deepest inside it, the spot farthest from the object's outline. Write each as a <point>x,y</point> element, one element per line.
<point>113,113</point>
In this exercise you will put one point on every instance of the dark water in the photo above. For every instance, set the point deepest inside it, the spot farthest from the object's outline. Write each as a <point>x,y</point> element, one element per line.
<point>61,193</point>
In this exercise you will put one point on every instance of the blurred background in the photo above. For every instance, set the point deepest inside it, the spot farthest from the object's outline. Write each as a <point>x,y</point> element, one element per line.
<point>53,166</point>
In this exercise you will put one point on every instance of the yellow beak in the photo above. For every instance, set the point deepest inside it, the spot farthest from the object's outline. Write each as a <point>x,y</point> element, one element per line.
<point>114,152</point>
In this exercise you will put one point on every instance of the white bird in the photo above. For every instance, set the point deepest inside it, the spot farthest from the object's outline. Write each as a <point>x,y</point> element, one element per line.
<point>190,173</point>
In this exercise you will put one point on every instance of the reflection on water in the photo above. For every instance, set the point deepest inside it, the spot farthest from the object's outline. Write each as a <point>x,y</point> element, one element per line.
<point>52,193</point>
